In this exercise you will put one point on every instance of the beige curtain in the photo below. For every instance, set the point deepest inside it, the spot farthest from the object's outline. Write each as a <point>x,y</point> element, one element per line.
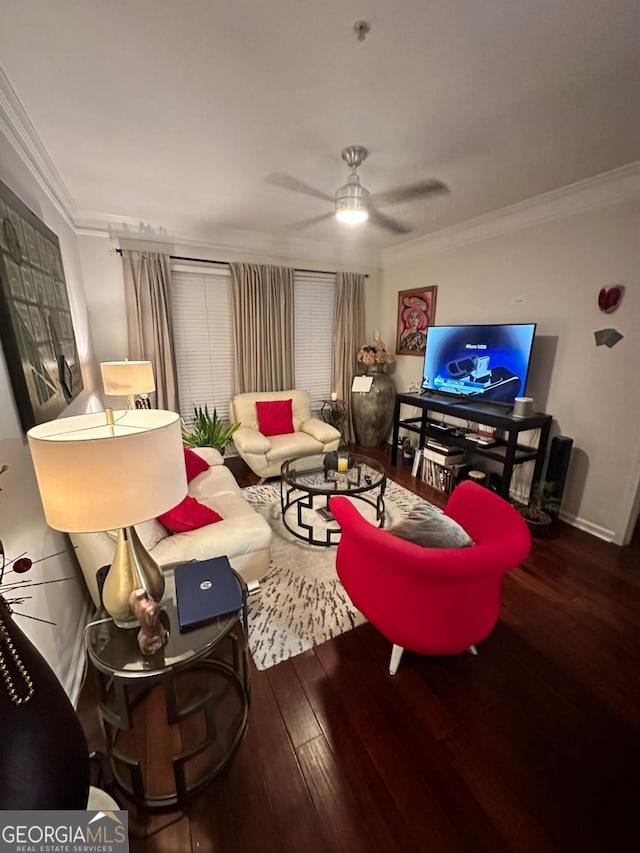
<point>263,327</point>
<point>147,298</point>
<point>348,337</point>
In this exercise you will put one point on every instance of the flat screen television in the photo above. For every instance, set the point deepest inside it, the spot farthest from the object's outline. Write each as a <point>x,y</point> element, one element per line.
<point>483,362</point>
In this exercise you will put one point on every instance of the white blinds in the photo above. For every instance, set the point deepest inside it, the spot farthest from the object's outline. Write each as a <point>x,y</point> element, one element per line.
<point>202,316</point>
<point>315,305</point>
<point>201,300</point>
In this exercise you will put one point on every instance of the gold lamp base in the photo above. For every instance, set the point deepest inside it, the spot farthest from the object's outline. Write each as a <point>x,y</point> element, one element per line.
<point>132,568</point>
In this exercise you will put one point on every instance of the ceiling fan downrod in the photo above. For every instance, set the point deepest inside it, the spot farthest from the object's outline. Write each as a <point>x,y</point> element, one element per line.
<point>362,28</point>
<point>354,155</point>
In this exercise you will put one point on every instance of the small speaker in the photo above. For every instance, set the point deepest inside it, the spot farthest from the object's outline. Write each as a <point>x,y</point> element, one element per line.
<point>522,407</point>
<point>558,464</point>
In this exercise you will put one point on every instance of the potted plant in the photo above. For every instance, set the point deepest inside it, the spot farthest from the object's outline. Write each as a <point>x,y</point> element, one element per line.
<point>336,416</point>
<point>542,508</point>
<point>207,430</point>
<point>408,451</point>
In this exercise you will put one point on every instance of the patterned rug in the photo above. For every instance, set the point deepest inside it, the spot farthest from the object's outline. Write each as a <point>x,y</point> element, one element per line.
<point>301,602</point>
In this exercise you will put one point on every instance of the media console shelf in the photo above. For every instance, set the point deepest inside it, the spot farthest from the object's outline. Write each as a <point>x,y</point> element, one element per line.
<point>508,452</point>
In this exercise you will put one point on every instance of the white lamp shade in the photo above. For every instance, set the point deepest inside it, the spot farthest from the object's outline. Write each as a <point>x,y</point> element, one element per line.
<point>93,476</point>
<point>127,377</point>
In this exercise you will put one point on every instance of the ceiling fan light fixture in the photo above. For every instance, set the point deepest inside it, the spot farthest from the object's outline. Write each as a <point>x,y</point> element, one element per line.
<point>352,202</point>
<point>352,216</point>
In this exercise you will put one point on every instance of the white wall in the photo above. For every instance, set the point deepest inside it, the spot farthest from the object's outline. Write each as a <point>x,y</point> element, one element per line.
<point>22,524</point>
<point>551,273</point>
<point>104,287</point>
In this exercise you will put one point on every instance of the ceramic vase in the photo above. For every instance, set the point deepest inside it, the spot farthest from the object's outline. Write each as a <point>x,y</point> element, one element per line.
<point>372,410</point>
<point>45,758</point>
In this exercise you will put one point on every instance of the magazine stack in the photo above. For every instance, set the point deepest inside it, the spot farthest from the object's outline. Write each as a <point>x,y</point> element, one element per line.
<point>438,466</point>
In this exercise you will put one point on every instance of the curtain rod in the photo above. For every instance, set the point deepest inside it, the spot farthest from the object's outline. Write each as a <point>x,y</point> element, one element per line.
<point>209,261</point>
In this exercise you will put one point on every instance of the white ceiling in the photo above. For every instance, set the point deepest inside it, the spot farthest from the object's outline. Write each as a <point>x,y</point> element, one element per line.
<point>173,113</point>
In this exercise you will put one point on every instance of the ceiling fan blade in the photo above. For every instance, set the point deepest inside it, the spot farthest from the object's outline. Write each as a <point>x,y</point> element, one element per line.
<point>378,218</point>
<point>306,223</point>
<point>288,182</point>
<point>420,189</point>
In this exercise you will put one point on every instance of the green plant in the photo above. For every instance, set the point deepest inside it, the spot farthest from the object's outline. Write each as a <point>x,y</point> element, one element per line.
<point>543,502</point>
<point>336,416</point>
<point>207,430</point>
<point>407,447</point>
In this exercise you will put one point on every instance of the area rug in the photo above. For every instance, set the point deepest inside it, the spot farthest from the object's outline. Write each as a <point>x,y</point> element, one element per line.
<point>301,602</point>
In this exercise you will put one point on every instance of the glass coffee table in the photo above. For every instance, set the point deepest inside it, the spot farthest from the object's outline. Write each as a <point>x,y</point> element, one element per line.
<point>308,482</point>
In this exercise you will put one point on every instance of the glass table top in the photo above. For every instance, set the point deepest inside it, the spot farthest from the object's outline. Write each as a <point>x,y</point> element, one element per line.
<point>115,650</point>
<point>318,474</point>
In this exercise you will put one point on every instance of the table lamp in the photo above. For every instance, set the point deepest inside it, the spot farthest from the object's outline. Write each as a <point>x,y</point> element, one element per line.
<point>112,470</point>
<point>128,378</point>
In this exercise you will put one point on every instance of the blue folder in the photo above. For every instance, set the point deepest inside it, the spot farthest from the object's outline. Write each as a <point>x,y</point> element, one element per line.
<point>204,591</point>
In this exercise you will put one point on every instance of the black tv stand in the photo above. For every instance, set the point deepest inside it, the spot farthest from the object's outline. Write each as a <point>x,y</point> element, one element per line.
<point>481,404</point>
<point>508,452</point>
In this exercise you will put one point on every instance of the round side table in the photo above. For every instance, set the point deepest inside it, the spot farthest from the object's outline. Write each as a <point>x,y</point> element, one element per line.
<point>163,752</point>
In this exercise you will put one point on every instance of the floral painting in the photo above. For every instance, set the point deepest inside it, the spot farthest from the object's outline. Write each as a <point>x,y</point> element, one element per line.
<point>416,312</point>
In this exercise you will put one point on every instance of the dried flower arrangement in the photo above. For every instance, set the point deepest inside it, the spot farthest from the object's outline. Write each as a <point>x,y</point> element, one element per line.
<point>375,353</point>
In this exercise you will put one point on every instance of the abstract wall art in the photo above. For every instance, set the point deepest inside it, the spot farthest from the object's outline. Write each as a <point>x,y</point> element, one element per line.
<point>35,318</point>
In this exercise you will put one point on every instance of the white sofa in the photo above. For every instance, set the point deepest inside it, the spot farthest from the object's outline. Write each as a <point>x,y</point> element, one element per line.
<point>265,454</point>
<point>243,535</point>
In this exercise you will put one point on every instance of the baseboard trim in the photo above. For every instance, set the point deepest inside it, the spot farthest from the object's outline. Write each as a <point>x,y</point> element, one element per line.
<point>588,527</point>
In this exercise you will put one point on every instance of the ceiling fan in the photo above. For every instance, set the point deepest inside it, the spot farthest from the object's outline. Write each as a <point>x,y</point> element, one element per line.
<point>352,202</point>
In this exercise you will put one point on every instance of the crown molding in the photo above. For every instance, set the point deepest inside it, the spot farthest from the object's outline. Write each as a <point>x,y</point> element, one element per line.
<point>16,125</point>
<point>228,244</point>
<point>600,191</point>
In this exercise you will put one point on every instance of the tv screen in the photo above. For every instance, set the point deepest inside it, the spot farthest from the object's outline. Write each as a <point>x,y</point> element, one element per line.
<point>488,362</point>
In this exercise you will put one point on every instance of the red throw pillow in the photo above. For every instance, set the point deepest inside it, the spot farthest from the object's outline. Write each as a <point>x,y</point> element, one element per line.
<point>194,464</point>
<point>275,417</point>
<point>188,515</point>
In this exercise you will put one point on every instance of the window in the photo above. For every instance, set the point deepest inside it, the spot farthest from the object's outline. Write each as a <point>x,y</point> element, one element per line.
<point>315,306</point>
<point>203,332</point>
<point>201,300</point>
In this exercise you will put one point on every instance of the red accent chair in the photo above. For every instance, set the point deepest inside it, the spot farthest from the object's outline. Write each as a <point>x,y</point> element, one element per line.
<point>432,600</point>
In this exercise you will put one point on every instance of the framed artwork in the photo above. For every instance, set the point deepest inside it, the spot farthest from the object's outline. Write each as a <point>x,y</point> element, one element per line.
<point>416,312</point>
<point>35,319</point>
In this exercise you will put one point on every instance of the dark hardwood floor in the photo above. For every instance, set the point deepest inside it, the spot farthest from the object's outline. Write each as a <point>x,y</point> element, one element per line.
<point>530,746</point>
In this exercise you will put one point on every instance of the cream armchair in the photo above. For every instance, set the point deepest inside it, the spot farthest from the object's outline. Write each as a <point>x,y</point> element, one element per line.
<point>265,454</point>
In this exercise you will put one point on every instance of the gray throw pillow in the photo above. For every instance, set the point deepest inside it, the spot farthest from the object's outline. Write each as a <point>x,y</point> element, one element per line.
<point>425,525</point>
